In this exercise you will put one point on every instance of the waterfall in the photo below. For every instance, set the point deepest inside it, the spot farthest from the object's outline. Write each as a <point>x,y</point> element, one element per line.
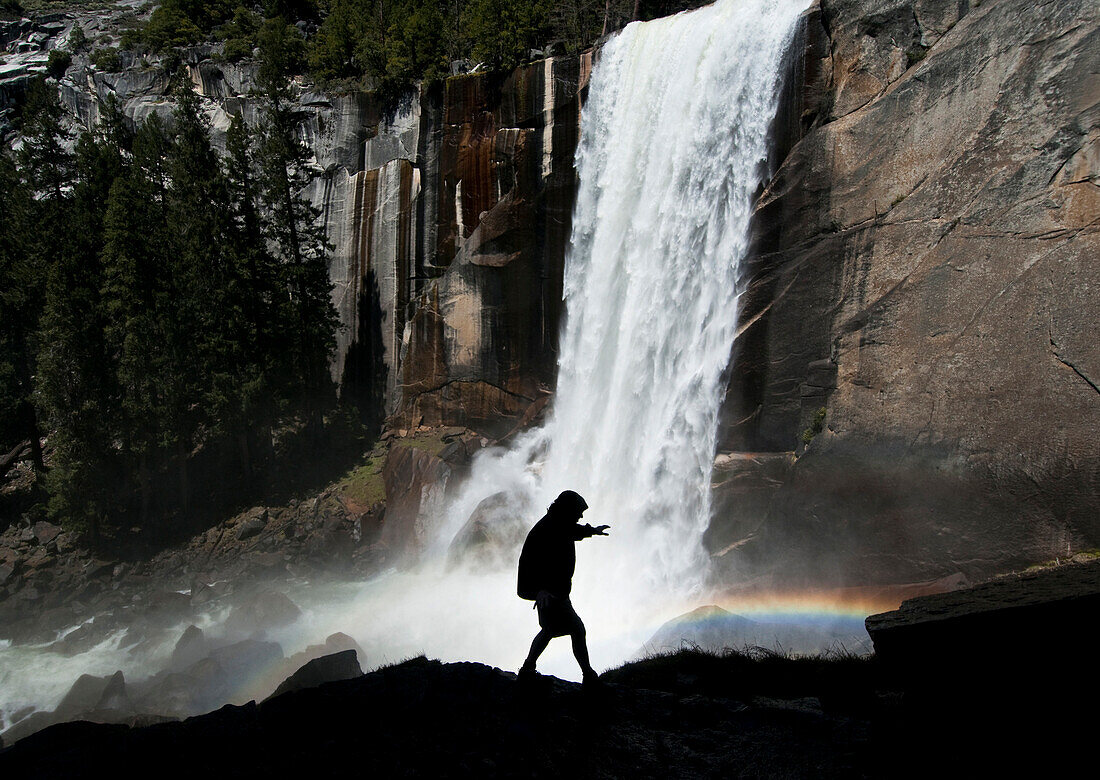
<point>673,139</point>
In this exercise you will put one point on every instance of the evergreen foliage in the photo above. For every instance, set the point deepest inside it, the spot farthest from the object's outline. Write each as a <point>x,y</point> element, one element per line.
<point>387,45</point>
<point>159,300</point>
<point>20,301</point>
<point>293,226</point>
<point>107,59</point>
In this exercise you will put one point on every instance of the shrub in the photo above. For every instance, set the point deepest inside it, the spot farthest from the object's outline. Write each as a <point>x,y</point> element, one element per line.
<point>816,427</point>
<point>77,39</point>
<point>107,59</point>
<point>239,33</point>
<point>58,62</point>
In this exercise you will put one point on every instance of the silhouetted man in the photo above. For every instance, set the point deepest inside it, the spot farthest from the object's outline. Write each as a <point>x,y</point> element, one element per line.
<point>546,567</point>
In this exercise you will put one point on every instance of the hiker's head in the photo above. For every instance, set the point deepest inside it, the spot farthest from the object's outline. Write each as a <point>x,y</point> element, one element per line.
<point>568,505</point>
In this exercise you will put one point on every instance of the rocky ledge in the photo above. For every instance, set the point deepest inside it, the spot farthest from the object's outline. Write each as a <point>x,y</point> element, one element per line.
<point>425,718</point>
<point>1017,628</point>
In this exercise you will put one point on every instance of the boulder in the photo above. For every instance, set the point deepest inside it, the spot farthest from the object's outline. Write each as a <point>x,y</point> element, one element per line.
<point>334,643</point>
<point>89,693</point>
<point>329,668</point>
<point>253,524</point>
<point>265,610</point>
<point>1036,620</point>
<point>494,532</point>
<point>97,568</point>
<point>190,648</point>
<point>45,532</point>
<point>7,572</point>
<point>115,697</point>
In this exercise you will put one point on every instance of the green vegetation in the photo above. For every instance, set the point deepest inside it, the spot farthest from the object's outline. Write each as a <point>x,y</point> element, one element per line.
<point>816,426</point>
<point>386,45</point>
<point>240,33</point>
<point>77,39</point>
<point>364,485</point>
<point>432,442</point>
<point>162,308</point>
<point>107,59</point>
<point>58,62</point>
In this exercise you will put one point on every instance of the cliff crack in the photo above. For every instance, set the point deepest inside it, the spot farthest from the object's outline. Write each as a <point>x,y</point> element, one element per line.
<point>1054,350</point>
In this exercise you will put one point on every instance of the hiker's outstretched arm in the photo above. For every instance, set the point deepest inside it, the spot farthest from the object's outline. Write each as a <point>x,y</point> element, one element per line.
<point>585,531</point>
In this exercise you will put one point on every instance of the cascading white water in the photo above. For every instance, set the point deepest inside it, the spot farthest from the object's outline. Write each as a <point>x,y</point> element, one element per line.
<point>673,137</point>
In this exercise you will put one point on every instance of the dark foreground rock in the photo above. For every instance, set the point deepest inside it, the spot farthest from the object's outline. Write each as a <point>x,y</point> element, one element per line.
<point>330,668</point>
<point>1008,665</point>
<point>425,718</point>
<point>999,630</point>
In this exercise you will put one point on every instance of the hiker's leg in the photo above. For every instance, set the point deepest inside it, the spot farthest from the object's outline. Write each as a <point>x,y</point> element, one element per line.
<point>580,647</point>
<point>538,644</point>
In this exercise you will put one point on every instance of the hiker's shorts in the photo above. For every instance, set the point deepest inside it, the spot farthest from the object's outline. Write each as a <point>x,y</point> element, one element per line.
<point>558,617</point>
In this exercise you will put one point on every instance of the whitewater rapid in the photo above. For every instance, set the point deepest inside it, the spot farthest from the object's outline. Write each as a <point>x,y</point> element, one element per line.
<point>673,141</point>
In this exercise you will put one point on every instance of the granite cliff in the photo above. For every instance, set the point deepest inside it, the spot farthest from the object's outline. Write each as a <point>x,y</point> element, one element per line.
<point>919,323</point>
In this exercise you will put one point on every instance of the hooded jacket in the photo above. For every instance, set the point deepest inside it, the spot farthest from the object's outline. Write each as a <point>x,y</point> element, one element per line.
<point>549,557</point>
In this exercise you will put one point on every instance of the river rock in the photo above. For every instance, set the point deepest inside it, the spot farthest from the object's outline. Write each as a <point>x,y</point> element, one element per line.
<point>88,693</point>
<point>253,525</point>
<point>265,610</point>
<point>190,648</point>
<point>7,572</point>
<point>494,531</point>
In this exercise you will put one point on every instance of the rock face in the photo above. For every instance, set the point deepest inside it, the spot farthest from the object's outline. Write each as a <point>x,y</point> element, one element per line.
<point>448,214</point>
<point>923,267</point>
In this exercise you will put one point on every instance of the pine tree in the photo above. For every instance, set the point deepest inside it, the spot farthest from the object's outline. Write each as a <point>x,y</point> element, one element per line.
<point>255,284</point>
<point>293,226</point>
<point>134,292</point>
<point>200,329</point>
<point>21,288</point>
<point>46,169</point>
<point>76,383</point>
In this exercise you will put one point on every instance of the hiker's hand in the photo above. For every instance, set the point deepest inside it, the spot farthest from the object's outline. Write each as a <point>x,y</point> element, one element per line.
<point>544,598</point>
<point>600,530</point>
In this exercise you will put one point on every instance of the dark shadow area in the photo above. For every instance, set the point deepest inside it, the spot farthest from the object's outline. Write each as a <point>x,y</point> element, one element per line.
<point>298,462</point>
<point>363,385</point>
